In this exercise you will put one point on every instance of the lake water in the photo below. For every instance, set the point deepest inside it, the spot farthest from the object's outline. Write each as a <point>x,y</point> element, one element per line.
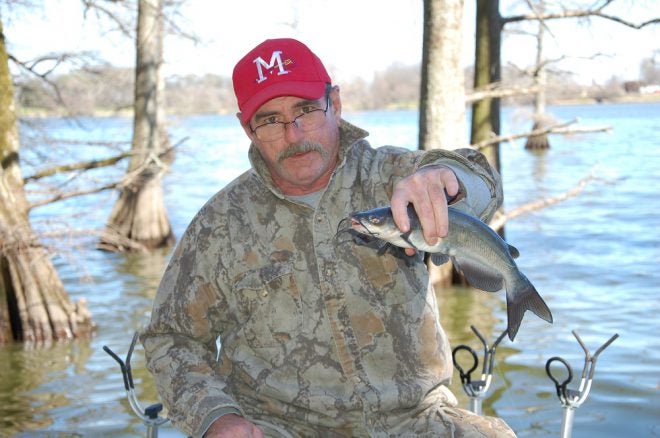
<point>593,257</point>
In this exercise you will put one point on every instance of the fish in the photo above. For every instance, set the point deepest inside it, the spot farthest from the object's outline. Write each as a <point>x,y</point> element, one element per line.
<point>476,251</point>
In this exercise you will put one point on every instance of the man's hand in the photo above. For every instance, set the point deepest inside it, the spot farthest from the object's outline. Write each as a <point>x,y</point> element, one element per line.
<point>233,426</point>
<point>425,190</point>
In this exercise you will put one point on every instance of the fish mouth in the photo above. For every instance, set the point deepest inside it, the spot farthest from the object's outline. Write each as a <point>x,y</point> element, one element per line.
<point>358,226</point>
<point>358,232</point>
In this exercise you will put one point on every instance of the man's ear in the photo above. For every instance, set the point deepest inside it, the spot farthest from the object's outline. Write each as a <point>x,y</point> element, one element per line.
<point>245,126</point>
<point>336,102</point>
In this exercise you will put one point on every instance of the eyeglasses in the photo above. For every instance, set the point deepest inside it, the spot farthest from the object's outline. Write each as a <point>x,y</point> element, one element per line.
<point>310,118</point>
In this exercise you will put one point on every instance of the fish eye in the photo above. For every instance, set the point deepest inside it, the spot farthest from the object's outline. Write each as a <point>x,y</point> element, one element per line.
<point>374,220</point>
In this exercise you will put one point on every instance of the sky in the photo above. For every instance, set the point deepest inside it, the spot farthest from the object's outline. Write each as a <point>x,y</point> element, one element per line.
<point>354,38</point>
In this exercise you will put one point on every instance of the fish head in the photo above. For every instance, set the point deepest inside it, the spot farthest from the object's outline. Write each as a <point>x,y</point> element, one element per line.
<point>377,222</point>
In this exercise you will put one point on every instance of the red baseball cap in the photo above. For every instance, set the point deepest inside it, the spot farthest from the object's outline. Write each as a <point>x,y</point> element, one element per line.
<point>277,67</point>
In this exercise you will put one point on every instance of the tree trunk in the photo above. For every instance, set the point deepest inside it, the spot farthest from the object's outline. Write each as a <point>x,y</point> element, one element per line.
<point>139,215</point>
<point>442,122</point>
<point>487,70</point>
<point>442,106</point>
<point>34,306</point>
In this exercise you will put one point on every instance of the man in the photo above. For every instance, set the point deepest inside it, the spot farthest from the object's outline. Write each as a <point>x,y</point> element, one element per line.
<point>317,336</point>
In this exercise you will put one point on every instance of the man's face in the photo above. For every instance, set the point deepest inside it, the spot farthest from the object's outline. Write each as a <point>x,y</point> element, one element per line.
<point>301,160</point>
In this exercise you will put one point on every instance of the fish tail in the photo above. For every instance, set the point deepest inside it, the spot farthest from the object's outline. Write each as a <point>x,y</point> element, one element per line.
<point>522,297</point>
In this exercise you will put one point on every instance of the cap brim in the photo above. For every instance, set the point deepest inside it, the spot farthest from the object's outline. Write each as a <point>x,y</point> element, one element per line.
<point>305,90</point>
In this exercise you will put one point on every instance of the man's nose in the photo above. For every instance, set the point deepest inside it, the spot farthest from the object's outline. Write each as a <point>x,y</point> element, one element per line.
<point>292,131</point>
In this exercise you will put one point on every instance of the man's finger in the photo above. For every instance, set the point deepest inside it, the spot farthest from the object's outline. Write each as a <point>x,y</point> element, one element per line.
<point>451,185</point>
<point>399,206</point>
<point>439,206</point>
<point>427,219</point>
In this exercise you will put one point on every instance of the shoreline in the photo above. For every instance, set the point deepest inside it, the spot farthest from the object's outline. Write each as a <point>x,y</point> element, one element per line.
<point>628,98</point>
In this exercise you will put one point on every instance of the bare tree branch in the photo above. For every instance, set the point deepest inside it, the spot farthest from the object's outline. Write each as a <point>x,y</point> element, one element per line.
<point>152,164</point>
<point>94,164</point>
<point>597,11</point>
<point>539,16</point>
<point>52,61</point>
<point>110,239</point>
<point>499,220</point>
<point>128,180</point>
<point>70,233</point>
<point>171,9</point>
<point>68,195</point>
<point>562,128</point>
<point>99,8</point>
<point>497,90</point>
<point>127,29</point>
<point>30,67</point>
<point>84,165</point>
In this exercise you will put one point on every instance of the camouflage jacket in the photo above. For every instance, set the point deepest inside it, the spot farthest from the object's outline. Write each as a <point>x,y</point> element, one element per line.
<point>313,329</point>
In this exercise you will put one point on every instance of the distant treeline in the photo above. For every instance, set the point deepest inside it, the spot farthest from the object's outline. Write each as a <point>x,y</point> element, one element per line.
<point>109,91</point>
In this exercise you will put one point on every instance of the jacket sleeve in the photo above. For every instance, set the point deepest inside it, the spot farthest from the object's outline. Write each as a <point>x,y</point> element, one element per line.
<point>180,343</point>
<point>480,185</point>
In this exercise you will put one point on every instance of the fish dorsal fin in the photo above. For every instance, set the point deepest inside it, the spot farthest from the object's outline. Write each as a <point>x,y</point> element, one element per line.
<point>439,258</point>
<point>513,251</point>
<point>479,276</point>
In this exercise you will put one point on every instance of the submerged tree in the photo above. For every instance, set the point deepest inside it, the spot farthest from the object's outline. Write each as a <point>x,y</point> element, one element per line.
<point>487,70</point>
<point>139,214</point>
<point>540,75</point>
<point>34,306</point>
<point>490,24</point>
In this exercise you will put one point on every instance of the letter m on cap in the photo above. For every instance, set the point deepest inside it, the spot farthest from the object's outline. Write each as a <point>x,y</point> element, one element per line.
<point>275,58</point>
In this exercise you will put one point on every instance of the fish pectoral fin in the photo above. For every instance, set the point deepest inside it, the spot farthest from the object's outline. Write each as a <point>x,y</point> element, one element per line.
<point>439,258</point>
<point>382,249</point>
<point>478,275</point>
<point>406,237</point>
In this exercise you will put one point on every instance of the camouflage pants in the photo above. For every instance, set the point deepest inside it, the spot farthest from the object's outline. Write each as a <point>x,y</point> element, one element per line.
<point>436,416</point>
<point>451,422</point>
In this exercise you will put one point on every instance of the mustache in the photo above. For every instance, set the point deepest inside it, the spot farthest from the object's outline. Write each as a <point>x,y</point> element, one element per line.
<point>301,148</point>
